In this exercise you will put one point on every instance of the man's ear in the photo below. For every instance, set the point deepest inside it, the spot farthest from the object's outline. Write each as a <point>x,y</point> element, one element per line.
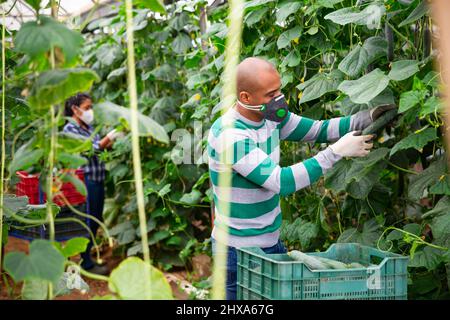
<point>244,97</point>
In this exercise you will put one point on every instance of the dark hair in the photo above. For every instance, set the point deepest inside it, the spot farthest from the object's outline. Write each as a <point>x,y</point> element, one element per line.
<point>75,100</point>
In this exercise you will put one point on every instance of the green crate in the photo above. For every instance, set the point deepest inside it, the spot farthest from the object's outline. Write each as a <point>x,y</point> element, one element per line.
<point>264,276</point>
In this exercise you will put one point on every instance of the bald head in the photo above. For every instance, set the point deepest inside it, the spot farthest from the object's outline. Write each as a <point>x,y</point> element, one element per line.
<point>250,74</point>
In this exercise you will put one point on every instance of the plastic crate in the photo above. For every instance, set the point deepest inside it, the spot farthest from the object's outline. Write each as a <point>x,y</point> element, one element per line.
<point>28,185</point>
<point>278,277</point>
<point>63,230</point>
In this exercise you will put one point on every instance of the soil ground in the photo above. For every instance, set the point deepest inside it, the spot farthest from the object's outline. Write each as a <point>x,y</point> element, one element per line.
<point>97,288</point>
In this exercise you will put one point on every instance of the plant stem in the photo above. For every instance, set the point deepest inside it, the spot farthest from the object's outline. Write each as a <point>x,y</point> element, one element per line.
<point>51,155</point>
<point>232,53</point>
<point>132,91</point>
<point>400,168</point>
<point>2,173</point>
<point>399,34</point>
<point>88,274</point>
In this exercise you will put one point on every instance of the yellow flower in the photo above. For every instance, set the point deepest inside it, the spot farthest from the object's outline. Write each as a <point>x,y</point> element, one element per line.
<point>296,40</point>
<point>300,95</point>
<point>197,97</point>
<point>302,79</point>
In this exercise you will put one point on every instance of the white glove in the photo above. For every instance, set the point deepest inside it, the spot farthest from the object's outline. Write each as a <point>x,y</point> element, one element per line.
<point>351,145</point>
<point>114,134</point>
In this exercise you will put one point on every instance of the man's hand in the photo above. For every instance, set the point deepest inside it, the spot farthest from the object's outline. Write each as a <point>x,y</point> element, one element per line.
<point>377,112</point>
<point>114,134</point>
<point>353,145</point>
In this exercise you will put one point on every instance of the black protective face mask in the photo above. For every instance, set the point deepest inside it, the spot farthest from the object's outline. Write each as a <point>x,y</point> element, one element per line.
<point>275,110</point>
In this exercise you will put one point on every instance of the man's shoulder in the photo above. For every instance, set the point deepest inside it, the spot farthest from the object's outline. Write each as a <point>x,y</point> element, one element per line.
<point>230,125</point>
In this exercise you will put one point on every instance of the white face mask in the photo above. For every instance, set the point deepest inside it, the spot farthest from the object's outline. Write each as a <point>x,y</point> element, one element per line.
<point>250,107</point>
<point>87,116</point>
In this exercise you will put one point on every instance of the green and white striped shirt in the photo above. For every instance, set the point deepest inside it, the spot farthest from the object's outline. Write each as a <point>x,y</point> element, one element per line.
<point>257,179</point>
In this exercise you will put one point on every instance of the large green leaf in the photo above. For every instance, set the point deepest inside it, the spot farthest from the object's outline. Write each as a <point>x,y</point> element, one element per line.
<point>191,198</point>
<point>335,179</point>
<point>199,79</point>
<point>320,84</point>
<point>255,4</point>
<point>44,262</point>
<point>403,69</point>
<point>362,166</point>
<point>415,140</point>
<point>35,38</point>
<point>419,182</point>
<point>255,16</point>
<point>347,107</point>
<point>357,176</point>
<point>376,47</point>
<point>355,62</point>
<point>286,9</point>
<point>124,232</point>
<point>25,157</point>
<point>370,233</point>
<point>442,186</point>
<point>72,247</point>
<point>154,5</point>
<point>361,56</point>
<point>179,21</point>
<point>410,99</point>
<point>181,43</point>
<point>164,72</point>
<point>13,204</point>
<point>110,114</point>
<point>370,16</point>
<point>361,187</point>
<point>109,53</point>
<point>292,59</point>
<point>129,281</point>
<point>431,106</point>
<point>306,232</point>
<point>73,143</point>
<point>286,37</point>
<point>428,257</point>
<point>35,4</point>
<point>35,289</point>
<point>71,161</point>
<point>54,86</point>
<point>440,226</point>
<point>365,88</point>
<point>416,14</point>
<point>75,181</point>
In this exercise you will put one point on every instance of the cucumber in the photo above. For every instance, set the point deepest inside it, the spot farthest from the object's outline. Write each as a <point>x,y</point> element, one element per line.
<point>310,261</point>
<point>355,265</point>
<point>380,122</point>
<point>333,264</point>
<point>390,42</point>
<point>426,42</point>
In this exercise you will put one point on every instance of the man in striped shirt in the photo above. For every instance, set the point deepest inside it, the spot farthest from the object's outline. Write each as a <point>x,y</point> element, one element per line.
<point>246,139</point>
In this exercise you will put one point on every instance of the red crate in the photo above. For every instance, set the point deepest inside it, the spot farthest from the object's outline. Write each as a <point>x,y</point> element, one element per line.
<point>28,185</point>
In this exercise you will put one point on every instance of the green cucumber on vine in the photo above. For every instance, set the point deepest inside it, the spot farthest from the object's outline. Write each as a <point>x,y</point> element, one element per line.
<point>390,41</point>
<point>387,117</point>
<point>426,41</point>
